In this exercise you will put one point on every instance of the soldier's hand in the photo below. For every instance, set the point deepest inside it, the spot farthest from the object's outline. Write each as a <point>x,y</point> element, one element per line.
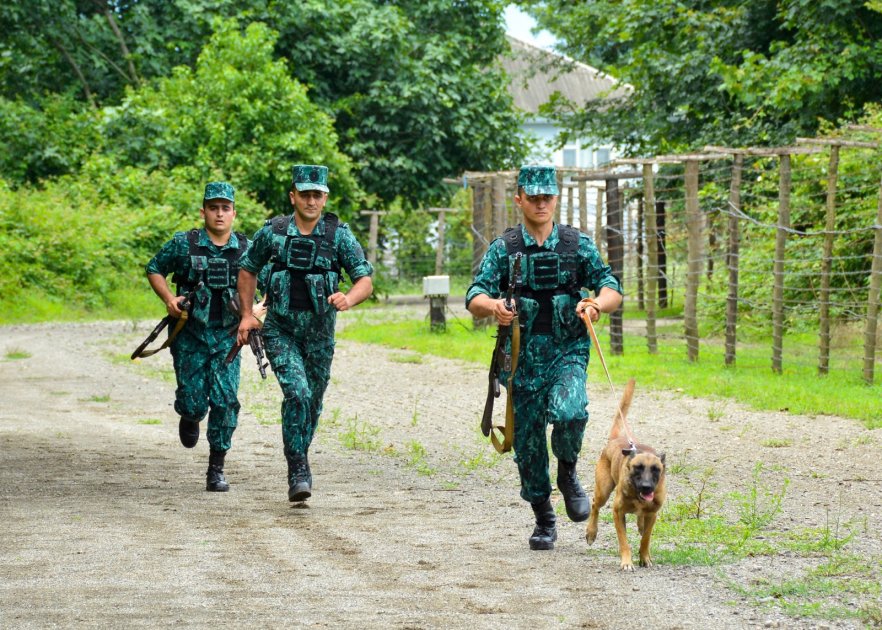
<point>339,301</point>
<point>246,325</point>
<point>259,310</point>
<point>502,314</point>
<point>173,306</point>
<point>588,306</point>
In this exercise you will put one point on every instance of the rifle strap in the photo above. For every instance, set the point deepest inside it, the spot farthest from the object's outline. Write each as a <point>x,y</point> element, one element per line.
<point>504,445</point>
<point>174,333</point>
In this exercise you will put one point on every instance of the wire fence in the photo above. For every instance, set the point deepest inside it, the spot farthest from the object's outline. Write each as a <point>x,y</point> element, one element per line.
<point>764,258</point>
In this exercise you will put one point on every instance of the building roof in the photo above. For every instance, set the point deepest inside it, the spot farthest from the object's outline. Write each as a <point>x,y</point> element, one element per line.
<point>536,74</point>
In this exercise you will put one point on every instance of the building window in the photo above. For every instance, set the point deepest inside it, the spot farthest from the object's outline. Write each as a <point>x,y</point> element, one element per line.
<point>602,157</point>
<point>569,157</point>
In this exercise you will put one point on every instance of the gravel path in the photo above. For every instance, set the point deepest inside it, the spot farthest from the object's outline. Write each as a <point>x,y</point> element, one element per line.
<point>414,521</point>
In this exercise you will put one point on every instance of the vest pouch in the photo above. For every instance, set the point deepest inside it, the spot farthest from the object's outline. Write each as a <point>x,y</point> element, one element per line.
<point>318,294</point>
<point>201,307</point>
<point>198,266</point>
<point>301,253</point>
<point>332,282</point>
<point>543,271</point>
<point>529,309</point>
<point>280,292</point>
<point>231,308</point>
<point>217,276</point>
<point>565,323</point>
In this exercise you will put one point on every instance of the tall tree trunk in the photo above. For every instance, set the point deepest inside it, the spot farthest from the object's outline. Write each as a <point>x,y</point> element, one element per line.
<point>76,68</point>
<point>111,20</point>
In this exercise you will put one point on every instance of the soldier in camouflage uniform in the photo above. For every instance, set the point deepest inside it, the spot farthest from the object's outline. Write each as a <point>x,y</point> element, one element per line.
<point>549,384</point>
<point>307,251</point>
<point>205,383</point>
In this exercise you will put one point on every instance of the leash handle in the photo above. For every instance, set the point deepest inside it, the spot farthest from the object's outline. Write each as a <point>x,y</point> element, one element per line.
<point>586,302</point>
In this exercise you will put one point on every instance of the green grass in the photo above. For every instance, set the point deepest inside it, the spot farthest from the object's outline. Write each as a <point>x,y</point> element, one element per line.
<point>15,354</point>
<point>150,421</point>
<point>98,398</point>
<point>33,307</point>
<point>798,389</point>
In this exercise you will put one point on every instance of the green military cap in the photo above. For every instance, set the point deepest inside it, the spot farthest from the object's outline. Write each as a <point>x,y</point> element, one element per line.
<point>538,180</point>
<point>310,177</point>
<point>219,190</point>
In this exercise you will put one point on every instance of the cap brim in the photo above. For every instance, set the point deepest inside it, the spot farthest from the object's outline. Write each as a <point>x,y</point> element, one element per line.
<point>531,190</point>
<point>303,187</point>
<point>204,199</point>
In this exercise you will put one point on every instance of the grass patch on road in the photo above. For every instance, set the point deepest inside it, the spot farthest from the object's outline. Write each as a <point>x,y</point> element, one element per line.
<point>798,389</point>
<point>16,354</point>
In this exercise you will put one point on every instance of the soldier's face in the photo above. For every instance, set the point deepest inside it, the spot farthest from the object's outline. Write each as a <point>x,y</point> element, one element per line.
<point>308,204</point>
<point>218,215</point>
<point>538,209</point>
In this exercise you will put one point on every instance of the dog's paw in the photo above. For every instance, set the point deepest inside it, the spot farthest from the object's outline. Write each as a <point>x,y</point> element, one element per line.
<point>646,562</point>
<point>627,566</point>
<point>591,536</point>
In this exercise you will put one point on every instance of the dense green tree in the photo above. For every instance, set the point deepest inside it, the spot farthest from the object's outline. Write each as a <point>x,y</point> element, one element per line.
<point>238,113</point>
<point>413,87</point>
<point>727,71</point>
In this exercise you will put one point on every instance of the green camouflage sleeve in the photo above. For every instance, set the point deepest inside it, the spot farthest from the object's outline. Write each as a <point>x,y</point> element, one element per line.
<point>170,256</point>
<point>597,274</point>
<point>259,251</point>
<point>494,265</point>
<point>350,255</point>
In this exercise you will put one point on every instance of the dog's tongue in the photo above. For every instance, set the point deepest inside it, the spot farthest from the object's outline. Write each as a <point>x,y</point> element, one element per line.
<point>647,496</point>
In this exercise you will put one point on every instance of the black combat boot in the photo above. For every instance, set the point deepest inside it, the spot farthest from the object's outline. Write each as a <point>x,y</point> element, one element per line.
<point>188,429</point>
<point>214,478</point>
<point>574,495</point>
<point>545,532</point>
<point>299,479</point>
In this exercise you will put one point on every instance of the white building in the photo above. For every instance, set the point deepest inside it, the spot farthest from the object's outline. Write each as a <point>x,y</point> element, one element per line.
<point>536,75</point>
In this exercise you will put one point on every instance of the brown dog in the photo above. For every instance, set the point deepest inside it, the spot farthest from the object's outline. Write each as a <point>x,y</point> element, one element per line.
<point>638,477</point>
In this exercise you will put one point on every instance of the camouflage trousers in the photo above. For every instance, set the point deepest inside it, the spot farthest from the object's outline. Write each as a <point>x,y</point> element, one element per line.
<point>205,383</point>
<point>300,348</point>
<point>549,388</point>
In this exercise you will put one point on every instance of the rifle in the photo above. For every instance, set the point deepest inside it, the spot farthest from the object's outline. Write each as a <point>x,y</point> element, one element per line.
<point>185,313</point>
<point>255,340</point>
<point>507,361</point>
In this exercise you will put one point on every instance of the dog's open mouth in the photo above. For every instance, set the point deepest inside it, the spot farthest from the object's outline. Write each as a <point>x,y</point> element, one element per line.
<point>647,496</point>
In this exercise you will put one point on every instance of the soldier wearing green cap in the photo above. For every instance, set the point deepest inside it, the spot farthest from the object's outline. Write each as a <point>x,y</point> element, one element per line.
<point>307,251</point>
<point>206,384</point>
<point>558,263</point>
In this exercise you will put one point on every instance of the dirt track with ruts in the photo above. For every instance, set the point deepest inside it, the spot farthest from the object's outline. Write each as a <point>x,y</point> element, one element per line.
<point>414,522</point>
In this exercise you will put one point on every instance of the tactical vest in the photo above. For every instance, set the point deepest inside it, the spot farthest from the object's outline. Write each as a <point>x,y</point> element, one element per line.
<point>304,268</point>
<point>218,273</point>
<point>546,275</point>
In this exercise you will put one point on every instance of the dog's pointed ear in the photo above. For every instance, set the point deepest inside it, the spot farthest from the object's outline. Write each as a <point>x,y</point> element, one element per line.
<point>629,452</point>
<point>661,456</point>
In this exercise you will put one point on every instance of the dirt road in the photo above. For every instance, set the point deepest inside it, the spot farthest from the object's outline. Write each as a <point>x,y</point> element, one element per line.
<point>414,523</point>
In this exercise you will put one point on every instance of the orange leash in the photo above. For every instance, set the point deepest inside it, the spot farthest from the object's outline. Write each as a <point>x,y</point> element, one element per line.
<point>590,326</point>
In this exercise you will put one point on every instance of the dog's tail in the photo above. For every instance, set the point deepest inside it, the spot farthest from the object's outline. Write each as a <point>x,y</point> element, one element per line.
<point>620,423</point>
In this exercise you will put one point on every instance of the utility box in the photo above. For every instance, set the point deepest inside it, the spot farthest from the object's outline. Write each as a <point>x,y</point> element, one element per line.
<point>437,288</point>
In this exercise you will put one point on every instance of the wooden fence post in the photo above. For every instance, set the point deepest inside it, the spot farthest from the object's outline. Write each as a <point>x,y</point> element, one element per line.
<point>732,257</point>
<point>662,254</point>
<point>652,263</point>
<point>373,233</point>
<point>694,256</point>
<point>583,206</point>
<point>615,247</point>
<point>827,263</point>
<point>570,207</point>
<point>873,296</point>
<point>598,222</point>
<point>439,253</point>
<point>641,228</point>
<point>479,245</point>
<point>778,273</point>
<point>500,214</point>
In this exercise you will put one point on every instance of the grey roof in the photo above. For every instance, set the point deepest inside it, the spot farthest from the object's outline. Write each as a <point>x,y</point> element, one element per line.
<point>536,74</point>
